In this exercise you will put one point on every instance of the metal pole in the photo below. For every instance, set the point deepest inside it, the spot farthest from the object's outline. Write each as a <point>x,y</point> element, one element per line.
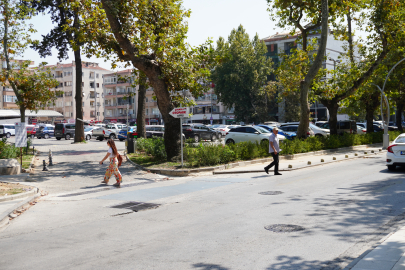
<point>181,136</point>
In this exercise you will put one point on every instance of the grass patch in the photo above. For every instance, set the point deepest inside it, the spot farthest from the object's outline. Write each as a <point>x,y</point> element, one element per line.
<point>26,161</point>
<point>12,188</point>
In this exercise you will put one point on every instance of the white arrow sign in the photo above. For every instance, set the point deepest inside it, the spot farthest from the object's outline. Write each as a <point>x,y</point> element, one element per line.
<point>180,112</point>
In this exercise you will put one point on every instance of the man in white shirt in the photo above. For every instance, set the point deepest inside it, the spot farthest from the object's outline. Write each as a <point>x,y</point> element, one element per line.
<point>274,150</point>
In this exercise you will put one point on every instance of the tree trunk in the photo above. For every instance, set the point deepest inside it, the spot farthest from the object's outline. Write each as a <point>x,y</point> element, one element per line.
<point>79,132</point>
<point>371,103</point>
<point>370,119</point>
<point>398,115</point>
<point>316,65</point>
<point>22,113</point>
<point>333,111</point>
<point>140,118</point>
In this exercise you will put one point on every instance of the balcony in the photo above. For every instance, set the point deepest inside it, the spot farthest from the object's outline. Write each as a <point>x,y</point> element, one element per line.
<point>68,94</point>
<point>59,76</point>
<point>8,89</point>
<point>92,96</point>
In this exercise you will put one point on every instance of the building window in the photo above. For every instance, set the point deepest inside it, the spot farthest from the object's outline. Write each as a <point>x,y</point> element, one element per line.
<point>82,74</point>
<point>98,85</point>
<point>97,75</point>
<point>92,85</point>
<point>82,104</point>
<point>68,83</point>
<point>61,84</point>
<point>9,98</point>
<point>147,111</point>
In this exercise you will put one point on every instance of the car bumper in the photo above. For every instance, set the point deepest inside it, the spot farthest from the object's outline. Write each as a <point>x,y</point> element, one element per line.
<point>395,160</point>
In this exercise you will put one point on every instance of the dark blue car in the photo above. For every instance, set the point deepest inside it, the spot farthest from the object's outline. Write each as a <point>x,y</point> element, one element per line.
<point>288,135</point>
<point>122,134</point>
<point>45,132</point>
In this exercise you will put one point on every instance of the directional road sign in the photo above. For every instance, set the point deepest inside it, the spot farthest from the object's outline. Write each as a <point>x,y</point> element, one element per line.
<point>182,112</point>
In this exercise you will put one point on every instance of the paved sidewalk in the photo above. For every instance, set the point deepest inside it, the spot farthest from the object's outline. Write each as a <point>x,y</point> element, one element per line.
<point>389,255</point>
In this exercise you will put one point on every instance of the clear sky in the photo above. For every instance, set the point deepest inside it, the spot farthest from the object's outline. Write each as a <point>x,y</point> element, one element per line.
<point>209,19</point>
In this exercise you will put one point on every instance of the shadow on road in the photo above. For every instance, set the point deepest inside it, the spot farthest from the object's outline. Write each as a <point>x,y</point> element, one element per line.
<point>208,266</point>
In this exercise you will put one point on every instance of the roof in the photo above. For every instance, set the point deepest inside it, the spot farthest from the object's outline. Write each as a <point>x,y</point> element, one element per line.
<point>60,65</point>
<point>281,36</point>
<point>28,113</point>
<point>119,72</point>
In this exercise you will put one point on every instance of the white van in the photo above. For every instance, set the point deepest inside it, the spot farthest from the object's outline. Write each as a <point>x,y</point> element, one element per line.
<point>7,130</point>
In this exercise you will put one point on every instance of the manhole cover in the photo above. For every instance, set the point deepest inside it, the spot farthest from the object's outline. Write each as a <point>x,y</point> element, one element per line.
<point>280,228</point>
<point>270,192</point>
<point>136,206</point>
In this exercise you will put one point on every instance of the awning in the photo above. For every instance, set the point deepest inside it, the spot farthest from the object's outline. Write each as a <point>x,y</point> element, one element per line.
<point>28,113</point>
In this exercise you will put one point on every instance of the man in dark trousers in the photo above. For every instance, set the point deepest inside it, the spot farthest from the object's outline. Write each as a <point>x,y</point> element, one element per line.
<point>274,150</point>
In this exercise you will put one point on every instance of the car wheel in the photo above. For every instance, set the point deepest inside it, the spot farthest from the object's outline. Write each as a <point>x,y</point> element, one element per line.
<point>230,141</point>
<point>88,137</point>
<point>318,135</point>
<point>213,138</point>
<point>46,136</point>
<point>58,138</point>
<point>39,137</point>
<point>391,167</point>
<point>121,140</point>
<point>67,137</point>
<point>112,136</point>
<point>100,139</point>
<point>219,136</point>
<point>8,135</point>
<point>32,136</point>
<point>196,138</point>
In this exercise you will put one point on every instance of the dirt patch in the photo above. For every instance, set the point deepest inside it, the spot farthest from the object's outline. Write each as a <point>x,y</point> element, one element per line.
<point>7,189</point>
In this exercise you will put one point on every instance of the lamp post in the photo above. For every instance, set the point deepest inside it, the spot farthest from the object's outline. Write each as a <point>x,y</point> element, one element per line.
<point>386,140</point>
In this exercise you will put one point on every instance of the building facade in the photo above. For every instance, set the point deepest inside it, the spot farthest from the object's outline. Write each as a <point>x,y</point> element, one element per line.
<point>280,43</point>
<point>92,91</point>
<point>7,96</point>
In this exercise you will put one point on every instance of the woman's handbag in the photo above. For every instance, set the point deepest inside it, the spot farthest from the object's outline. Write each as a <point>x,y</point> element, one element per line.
<point>119,158</point>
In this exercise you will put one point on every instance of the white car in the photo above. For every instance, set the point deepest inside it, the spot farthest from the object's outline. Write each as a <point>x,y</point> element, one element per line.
<point>361,130</point>
<point>249,134</point>
<point>7,130</point>
<point>223,129</point>
<point>88,132</point>
<point>396,153</point>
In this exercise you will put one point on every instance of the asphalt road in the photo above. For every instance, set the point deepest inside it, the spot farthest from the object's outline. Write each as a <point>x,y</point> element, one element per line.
<point>213,222</point>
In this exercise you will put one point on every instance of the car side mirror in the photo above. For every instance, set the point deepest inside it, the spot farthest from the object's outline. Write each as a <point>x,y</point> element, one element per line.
<point>257,132</point>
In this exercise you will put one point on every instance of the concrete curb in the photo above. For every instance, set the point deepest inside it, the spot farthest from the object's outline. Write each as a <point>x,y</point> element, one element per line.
<point>19,196</point>
<point>187,172</point>
<point>292,169</point>
<point>4,217</point>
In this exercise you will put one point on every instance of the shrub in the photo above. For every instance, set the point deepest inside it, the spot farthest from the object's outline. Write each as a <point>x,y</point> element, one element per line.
<point>8,150</point>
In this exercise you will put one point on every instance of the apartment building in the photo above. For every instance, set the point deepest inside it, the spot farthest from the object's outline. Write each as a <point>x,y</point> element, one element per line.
<point>92,91</point>
<point>284,43</point>
<point>7,96</point>
<point>118,102</point>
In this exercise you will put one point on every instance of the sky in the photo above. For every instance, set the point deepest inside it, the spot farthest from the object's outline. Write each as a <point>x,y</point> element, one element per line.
<point>209,19</point>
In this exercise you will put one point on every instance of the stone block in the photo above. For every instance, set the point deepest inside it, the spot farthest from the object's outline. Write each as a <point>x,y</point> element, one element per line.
<point>9,167</point>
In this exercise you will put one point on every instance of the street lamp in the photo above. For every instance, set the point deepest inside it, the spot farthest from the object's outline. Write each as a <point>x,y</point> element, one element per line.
<point>386,140</point>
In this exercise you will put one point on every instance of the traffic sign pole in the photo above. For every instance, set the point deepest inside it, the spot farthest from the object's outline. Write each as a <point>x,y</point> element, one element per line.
<point>181,136</point>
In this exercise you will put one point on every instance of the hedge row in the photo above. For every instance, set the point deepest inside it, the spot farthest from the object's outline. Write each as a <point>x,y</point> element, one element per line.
<point>210,154</point>
<point>8,150</point>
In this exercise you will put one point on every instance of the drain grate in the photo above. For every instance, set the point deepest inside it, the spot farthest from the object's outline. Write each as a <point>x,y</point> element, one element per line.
<point>136,206</point>
<point>281,228</point>
<point>271,192</point>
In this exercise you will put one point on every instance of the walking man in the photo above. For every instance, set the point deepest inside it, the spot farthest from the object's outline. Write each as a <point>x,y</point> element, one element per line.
<point>274,150</point>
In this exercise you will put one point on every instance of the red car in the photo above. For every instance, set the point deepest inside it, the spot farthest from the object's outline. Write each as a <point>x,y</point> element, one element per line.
<point>31,131</point>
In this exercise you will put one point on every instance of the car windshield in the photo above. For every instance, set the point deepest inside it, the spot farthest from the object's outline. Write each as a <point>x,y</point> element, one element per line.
<point>88,129</point>
<point>215,126</point>
<point>262,130</point>
<point>313,126</point>
<point>400,139</point>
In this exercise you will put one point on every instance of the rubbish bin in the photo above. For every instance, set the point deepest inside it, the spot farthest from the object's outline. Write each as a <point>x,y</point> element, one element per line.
<point>130,146</point>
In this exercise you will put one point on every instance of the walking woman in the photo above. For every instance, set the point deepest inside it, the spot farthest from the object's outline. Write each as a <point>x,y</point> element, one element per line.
<point>113,167</point>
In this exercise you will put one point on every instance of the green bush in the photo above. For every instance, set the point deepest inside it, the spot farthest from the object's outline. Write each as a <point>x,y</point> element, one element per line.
<point>8,150</point>
<point>153,146</point>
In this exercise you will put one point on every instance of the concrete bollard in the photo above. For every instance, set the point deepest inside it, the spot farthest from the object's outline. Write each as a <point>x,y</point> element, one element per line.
<point>380,150</point>
<point>309,162</point>
<point>45,167</point>
<point>346,156</point>
<point>322,160</point>
<point>355,154</point>
<point>290,166</point>
<point>334,158</point>
<point>372,151</point>
<point>50,158</point>
<point>365,153</point>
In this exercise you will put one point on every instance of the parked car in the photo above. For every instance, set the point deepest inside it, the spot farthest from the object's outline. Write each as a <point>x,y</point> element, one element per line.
<point>101,133</point>
<point>294,128</point>
<point>155,131</point>
<point>346,126</point>
<point>32,131</point>
<point>88,132</point>
<point>7,130</point>
<point>114,129</point>
<point>45,132</point>
<point>123,133</point>
<point>396,153</point>
<point>65,130</point>
<point>288,135</point>
<point>320,123</point>
<point>318,131</point>
<point>199,132</point>
<point>249,134</point>
<point>361,130</point>
<point>222,130</point>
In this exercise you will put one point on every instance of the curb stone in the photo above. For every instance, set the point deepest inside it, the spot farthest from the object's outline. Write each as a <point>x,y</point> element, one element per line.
<point>4,217</point>
<point>247,162</point>
<point>19,196</point>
